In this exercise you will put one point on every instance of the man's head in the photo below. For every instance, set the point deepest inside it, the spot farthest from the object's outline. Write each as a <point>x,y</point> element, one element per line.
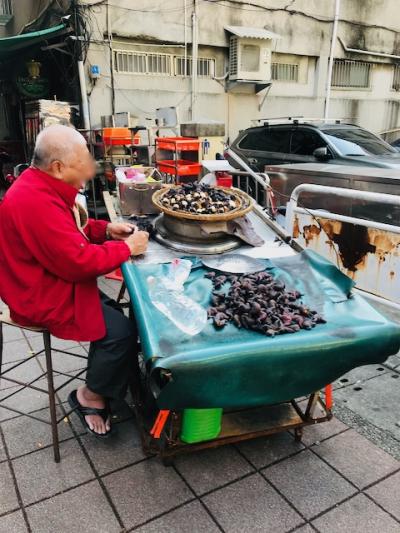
<point>62,152</point>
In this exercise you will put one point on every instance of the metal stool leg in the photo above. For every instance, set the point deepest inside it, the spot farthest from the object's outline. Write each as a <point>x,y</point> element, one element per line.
<point>1,348</point>
<point>1,345</point>
<point>52,395</point>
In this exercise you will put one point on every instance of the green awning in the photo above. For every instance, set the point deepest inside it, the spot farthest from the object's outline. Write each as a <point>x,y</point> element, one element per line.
<point>10,45</point>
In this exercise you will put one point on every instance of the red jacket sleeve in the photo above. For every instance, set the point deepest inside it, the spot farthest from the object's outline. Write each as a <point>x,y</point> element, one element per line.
<point>54,240</point>
<point>96,230</point>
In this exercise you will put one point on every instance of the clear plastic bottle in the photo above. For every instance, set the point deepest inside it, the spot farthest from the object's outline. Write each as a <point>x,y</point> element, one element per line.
<point>187,315</point>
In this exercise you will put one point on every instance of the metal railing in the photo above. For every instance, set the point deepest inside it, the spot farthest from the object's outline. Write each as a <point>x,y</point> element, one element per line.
<point>293,208</point>
<point>255,184</point>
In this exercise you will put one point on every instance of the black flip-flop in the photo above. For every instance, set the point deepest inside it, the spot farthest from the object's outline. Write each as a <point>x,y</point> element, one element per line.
<point>82,411</point>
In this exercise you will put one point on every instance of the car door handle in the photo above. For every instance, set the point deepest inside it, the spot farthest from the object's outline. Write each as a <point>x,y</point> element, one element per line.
<point>252,160</point>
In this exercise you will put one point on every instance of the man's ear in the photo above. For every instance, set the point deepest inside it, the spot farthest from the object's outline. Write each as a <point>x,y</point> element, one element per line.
<point>56,168</point>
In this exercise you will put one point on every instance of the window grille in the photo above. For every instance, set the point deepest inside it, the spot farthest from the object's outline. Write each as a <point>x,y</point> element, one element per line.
<point>355,74</point>
<point>132,62</point>
<point>205,66</point>
<point>233,56</point>
<point>396,78</point>
<point>6,7</point>
<point>285,72</point>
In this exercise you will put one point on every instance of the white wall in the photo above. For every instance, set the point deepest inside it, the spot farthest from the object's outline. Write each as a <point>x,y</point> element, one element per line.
<point>364,24</point>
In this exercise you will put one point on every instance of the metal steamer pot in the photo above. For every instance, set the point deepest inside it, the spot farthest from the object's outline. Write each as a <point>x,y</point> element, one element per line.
<point>188,227</point>
<point>190,230</point>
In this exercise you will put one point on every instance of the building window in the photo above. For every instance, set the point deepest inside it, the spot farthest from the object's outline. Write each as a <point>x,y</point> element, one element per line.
<point>352,74</point>
<point>285,72</point>
<point>6,12</point>
<point>155,64</point>
<point>205,67</point>
<point>130,62</point>
<point>396,78</point>
<point>6,7</point>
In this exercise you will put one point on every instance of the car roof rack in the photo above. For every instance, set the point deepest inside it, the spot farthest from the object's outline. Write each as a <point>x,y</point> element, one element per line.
<point>293,120</point>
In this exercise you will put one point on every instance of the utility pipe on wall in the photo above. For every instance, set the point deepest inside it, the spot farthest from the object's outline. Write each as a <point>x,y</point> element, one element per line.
<point>195,46</point>
<point>332,51</point>
<point>185,34</point>
<point>84,97</point>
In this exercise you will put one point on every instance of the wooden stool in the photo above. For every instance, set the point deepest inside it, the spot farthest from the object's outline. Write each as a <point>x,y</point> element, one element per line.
<point>50,391</point>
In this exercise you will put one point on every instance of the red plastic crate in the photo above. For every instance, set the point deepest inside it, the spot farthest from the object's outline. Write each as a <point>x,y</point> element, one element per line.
<point>181,167</point>
<point>178,143</point>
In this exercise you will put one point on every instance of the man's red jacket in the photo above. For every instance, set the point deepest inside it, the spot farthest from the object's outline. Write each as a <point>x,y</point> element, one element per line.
<point>48,269</point>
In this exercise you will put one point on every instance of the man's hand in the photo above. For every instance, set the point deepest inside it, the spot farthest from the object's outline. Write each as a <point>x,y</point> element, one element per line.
<point>119,231</point>
<point>137,242</point>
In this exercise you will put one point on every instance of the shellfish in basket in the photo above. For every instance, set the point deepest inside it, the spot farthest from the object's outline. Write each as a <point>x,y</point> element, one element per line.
<point>203,202</point>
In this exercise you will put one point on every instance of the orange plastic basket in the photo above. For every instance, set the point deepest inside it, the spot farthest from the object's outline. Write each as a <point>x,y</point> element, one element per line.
<point>119,136</point>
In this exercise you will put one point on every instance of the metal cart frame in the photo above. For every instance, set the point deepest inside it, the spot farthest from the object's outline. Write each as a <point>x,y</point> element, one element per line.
<point>237,424</point>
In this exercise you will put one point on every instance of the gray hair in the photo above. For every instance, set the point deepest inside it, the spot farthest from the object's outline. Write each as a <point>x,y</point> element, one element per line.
<point>55,143</point>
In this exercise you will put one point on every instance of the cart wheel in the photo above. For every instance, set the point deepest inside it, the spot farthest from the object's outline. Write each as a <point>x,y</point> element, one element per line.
<point>167,460</point>
<point>298,434</point>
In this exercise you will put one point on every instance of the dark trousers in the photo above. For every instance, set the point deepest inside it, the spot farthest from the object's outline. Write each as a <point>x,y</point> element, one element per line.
<point>112,360</point>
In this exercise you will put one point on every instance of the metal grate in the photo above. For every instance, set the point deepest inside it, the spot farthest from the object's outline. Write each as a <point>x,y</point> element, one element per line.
<point>205,67</point>
<point>6,7</point>
<point>129,62</point>
<point>233,56</point>
<point>285,72</point>
<point>354,74</point>
<point>396,78</point>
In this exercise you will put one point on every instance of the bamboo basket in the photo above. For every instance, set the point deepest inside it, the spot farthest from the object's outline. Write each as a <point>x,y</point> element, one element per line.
<point>244,201</point>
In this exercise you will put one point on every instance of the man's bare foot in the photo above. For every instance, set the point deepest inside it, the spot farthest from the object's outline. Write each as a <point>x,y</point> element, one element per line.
<point>87,398</point>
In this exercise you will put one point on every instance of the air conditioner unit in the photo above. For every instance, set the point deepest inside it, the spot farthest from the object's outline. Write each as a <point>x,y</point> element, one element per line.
<point>249,59</point>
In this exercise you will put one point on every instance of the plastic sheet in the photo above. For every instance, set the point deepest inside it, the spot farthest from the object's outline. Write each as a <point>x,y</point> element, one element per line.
<point>240,368</point>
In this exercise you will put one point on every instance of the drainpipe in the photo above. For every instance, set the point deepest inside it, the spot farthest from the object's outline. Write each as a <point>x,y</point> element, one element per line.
<point>330,67</point>
<point>111,52</point>
<point>84,97</point>
<point>185,35</point>
<point>195,46</point>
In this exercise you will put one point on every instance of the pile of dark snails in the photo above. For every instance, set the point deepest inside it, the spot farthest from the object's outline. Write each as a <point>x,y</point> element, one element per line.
<point>260,303</point>
<point>199,199</point>
<point>143,223</point>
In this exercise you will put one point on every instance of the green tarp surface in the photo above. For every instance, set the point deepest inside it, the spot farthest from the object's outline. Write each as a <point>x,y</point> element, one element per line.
<point>239,368</point>
<point>9,45</point>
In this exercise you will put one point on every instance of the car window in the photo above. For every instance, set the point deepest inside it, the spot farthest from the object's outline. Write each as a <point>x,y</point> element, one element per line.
<point>267,140</point>
<point>357,142</point>
<point>304,142</point>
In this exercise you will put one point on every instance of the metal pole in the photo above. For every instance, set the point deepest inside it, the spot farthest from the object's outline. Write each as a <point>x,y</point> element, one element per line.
<point>330,67</point>
<point>195,45</point>
<point>185,35</point>
<point>111,52</point>
<point>84,97</point>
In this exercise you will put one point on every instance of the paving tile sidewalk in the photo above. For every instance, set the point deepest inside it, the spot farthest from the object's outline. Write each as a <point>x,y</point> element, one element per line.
<point>336,480</point>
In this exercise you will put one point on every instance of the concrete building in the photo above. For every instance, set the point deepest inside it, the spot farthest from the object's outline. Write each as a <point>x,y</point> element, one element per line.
<point>144,52</point>
<point>141,47</point>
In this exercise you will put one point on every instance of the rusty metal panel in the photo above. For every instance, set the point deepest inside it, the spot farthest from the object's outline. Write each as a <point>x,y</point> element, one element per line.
<point>371,257</point>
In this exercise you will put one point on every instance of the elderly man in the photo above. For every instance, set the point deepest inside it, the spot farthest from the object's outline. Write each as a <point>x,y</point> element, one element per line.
<point>51,255</point>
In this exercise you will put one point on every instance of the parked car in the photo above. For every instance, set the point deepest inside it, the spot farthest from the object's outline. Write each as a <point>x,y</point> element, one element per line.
<point>313,142</point>
<point>396,144</point>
